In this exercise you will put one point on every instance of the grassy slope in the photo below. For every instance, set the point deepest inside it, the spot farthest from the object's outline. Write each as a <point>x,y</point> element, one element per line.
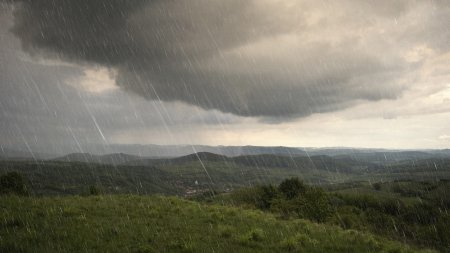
<point>124,223</point>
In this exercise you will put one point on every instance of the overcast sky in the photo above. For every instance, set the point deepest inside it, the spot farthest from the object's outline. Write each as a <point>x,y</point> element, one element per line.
<point>357,73</point>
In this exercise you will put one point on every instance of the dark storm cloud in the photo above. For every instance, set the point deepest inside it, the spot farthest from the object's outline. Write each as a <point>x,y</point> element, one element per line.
<point>45,107</point>
<point>275,59</point>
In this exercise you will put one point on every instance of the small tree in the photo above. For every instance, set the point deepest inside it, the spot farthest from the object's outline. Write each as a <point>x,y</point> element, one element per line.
<point>267,194</point>
<point>12,183</point>
<point>314,205</point>
<point>292,187</point>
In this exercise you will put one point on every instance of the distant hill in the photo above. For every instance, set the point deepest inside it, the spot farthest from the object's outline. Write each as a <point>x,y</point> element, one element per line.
<point>121,173</point>
<point>196,157</point>
<point>113,159</point>
<point>389,157</point>
<point>165,151</point>
<point>357,162</point>
<point>201,156</point>
<point>171,151</point>
<point>301,163</point>
<point>11,154</point>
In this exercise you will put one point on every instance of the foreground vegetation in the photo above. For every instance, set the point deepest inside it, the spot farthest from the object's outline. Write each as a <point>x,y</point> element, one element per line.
<point>131,223</point>
<point>242,205</point>
<point>408,211</point>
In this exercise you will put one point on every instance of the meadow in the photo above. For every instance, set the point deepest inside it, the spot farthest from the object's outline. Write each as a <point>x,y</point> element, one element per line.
<point>131,223</point>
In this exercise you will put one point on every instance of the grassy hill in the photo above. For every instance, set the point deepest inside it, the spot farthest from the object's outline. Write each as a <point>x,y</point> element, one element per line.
<point>415,212</point>
<point>124,223</point>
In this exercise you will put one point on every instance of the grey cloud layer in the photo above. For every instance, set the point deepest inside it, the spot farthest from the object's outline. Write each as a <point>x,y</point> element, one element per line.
<point>275,59</point>
<point>44,107</point>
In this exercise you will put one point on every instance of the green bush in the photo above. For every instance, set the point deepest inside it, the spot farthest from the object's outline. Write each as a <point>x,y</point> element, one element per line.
<point>313,204</point>
<point>267,195</point>
<point>13,183</point>
<point>424,223</point>
<point>292,187</point>
<point>260,197</point>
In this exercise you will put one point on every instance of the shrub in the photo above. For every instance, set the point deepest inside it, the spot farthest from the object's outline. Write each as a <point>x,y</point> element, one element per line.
<point>260,197</point>
<point>283,207</point>
<point>12,183</point>
<point>246,196</point>
<point>317,206</point>
<point>266,196</point>
<point>292,187</point>
<point>313,204</point>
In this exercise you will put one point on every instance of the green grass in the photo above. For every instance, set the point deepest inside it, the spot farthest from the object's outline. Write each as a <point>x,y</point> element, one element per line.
<point>407,211</point>
<point>130,223</point>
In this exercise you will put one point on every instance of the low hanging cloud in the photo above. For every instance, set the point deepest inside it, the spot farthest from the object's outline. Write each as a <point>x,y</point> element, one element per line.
<point>276,59</point>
